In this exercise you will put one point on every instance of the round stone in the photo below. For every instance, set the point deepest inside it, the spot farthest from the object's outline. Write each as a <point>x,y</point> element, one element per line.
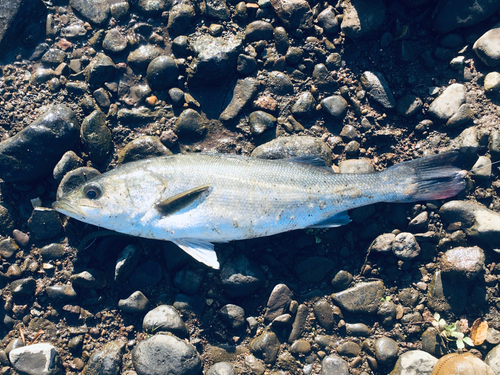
<point>162,72</point>
<point>405,246</point>
<point>164,318</point>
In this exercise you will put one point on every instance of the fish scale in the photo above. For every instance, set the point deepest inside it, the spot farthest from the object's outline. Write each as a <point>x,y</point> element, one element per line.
<point>195,200</point>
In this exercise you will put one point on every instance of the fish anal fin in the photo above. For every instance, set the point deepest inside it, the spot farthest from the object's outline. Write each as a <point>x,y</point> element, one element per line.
<point>336,220</point>
<point>201,250</point>
<point>181,200</point>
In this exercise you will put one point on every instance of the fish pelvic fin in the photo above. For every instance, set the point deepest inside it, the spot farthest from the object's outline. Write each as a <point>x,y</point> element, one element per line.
<point>201,250</point>
<point>336,220</point>
<point>429,178</point>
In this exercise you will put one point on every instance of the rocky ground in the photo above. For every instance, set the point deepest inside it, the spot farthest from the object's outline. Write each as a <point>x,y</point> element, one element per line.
<point>87,85</point>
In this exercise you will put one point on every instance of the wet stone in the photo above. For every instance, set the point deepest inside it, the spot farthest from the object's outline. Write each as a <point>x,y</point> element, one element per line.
<point>294,55</point>
<point>177,96</point>
<point>362,298</point>
<point>143,147</point>
<point>233,316</point>
<point>349,349</point>
<point>119,10</point>
<point>414,362</point>
<point>486,47</point>
<point>36,359</point>
<point>408,297</point>
<point>150,7</point>
<point>299,323</point>
<point>279,83</point>
<point>68,162</point>
<point>243,93</point>
<point>349,133</point>
<point>324,313</point>
<point>61,293</point>
<point>449,102</point>
<point>89,279</point>
<point>328,21</point>
<point>190,124</point>
<point>148,357</point>
<point>463,261</point>
<point>278,302</point>
<point>47,139</point>
<point>387,313</point>
<point>265,346</point>
<point>96,136</point>
<point>75,178</point>
<point>144,55</point>
<point>300,347</point>
<point>260,121</point>
<point>305,105</point>
<point>334,365</point>
<point>52,252</point>
<point>313,269</point>
<point>241,277</point>
<point>162,73</point>
<point>146,275</point>
<point>259,30</point>
<point>386,350</point>
<point>246,64</point>
<point>221,368</point>
<point>378,89</point>
<point>101,69</point>
<point>44,223</point>
<point>419,223</point>
<point>294,14</point>
<point>188,281</point>
<point>431,342</point>
<point>362,17</point>
<point>23,287</point>
<point>217,9</point>
<point>102,98</point>
<point>281,39</point>
<point>42,76</point>
<point>94,11</point>
<point>164,318</point>
<point>108,360</point>
<point>137,302</point>
<point>114,41</point>
<point>405,246</point>
<point>341,280</point>
<point>357,329</point>
<point>53,57</point>
<point>180,18</point>
<point>8,248</point>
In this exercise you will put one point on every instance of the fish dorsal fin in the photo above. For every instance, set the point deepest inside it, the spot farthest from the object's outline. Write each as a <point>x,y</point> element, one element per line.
<point>181,200</point>
<point>315,161</point>
<point>336,220</point>
<point>200,250</point>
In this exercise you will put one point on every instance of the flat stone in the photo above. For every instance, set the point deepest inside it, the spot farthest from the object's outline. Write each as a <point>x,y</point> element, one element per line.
<point>164,318</point>
<point>114,41</point>
<point>414,362</point>
<point>144,55</point>
<point>448,103</point>
<point>405,246</point>
<point>357,329</point>
<point>137,302</point>
<point>36,359</point>
<point>23,287</point>
<point>349,349</point>
<point>243,93</point>
<point>265,346</point>
<point>463,261</point>
<point>61,293</point>
<point>94,11</point>
<point>278,302</point>
<point>486,47</point>
<point>259,30</point>
<point>334,365</point>
<point>190,124</point>
<point>378,89</point>
<point>362,298</point>
<point>294,14</point>
<point>89,279</point>
<point>324,314</point>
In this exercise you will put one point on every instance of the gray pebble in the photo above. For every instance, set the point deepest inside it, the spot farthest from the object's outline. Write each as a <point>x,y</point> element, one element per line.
<point>177,96</point>
<point>362,298</point>
<point>241,277</point>
<point>279,84</point>
<point>341,280</point>
<point>481,169</point>
<point>6,221</point>
<point>265,346</point>
<point>293,55</point>
<point>328,21</point>
<point>419,223</point>
<point>246,64</point>
<point>89,279</point>
<point>254,365</point>
<point>101,69</point>
<point>42,76</point>
<point>448,103</point>
<point>467,142</point>
<point>494,144</point>
<point>305,105</point>
<point>221,368</point>
<point>23,287</point>
<point>44,223</point>
<point>150,7</point>
<point>233,316</point>
<point>431,342</point>
<point>108,360</point>
<point>278,302</point>
<point>94,11</point>
<point>299,323</point>
<point>281,39</point>
<point>492,82</point>
<point>53,57</point>
<point>387,313</point>
<point>405,246</point>
<point>349,349</point>
<point>180,18</point>
<point>334,61</point>
<point>102,98</point>
<point>260,121</point>
<point>378,89</point>
<point>463,261</point>
<point>36,359</point>
<point>334,365</point>
<point>357,329</point>
<point>492,359</point>
<point>148,357</point>
<point>414,362</point>
<point>144,55</point>
<point>164,318</point>
<point>486,47</point>
<point>119,10</point>
<point>349,132</point>
<point>52,251</point>
<point>461,117</point>
<point>446,294</point>
<point>61,293</point>
<point>386,350</point>
<point>217,9</point>
<point>300,346</point>
<point>294,15</point>
<point>137,302</point>
<point>259,30</point>
<point>114,41</point>
<point>190,124</point>
<point>8,248</point>
<point>68,162</point>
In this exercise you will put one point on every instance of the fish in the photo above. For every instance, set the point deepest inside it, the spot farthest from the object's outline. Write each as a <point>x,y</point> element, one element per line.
<point>197,199</point>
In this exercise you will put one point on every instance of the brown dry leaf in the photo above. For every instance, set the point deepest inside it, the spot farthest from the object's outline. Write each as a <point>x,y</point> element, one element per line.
<point>479,331</point>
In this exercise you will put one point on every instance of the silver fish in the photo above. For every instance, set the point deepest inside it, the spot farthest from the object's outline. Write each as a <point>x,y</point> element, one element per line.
<point>195,200</point>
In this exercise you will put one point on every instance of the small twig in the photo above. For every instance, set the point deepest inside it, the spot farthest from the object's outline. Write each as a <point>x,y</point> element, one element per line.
<point>21,333</point>
<point>38,334</point>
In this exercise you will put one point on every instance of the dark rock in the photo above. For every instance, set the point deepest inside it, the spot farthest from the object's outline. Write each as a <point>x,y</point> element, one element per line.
<point>34,151</point>
<point>349,349</point>
<point>387,313</point>
<point>259,30</point>
<point>23,287</point>
<point>378,89</point>
<point>278,302</point>
<point>75,178</point>
<point>409,105</point>
<point>243,93</point>
<point>341,280</point>
<point>68,162</point>
<point>431,342</point>
<point>455,14</point>
<point>114,41</point>
<point>89,279</point>
<point>246,65</point>
<point>126,263</point>
<point>162,73</point>
<point>107,361</point>
<point>36,359</point>
<point>146,275</point>
<point>165,354</point>
<point>294,146</point>
<point>294,14</point>
<point>96,136</point>
<point>180,46</point>
<point>328,21</point>
<point>180,18</point>
<point>52,252</point>
<point>362,17</point>
<point>279,84</point>
<point>463,261</point>
<point>94,11</point>
<point>362,298</point>
<point>240,277</point>
<point>190,124</point>
<point>446,294</point>
<point>101,69</point>
<point>164,318</point>
<point>61,293</point>
<point>143,147</point>
<point>313,269</point>
<point>44,223</point>
<point>324,313</point>
<point>335,106</point>
<point>144,55</point>
<point>217,9</point>
<point>6,221</point>
<point>177,96</point>
<point>137,302</point>
<point>266,346</point>
<point>358,329</point>
<point>299,323</point>
<point>386,350</point>
<point>233,316</point>
<point>281,39</point>
<point>260,121</point>
<point>188,281</point>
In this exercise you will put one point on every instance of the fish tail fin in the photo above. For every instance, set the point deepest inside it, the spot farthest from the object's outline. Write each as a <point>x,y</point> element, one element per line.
<point>429,178</point>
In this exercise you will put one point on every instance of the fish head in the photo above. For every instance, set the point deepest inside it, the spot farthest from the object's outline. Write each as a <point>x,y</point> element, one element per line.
<point>112,200</point>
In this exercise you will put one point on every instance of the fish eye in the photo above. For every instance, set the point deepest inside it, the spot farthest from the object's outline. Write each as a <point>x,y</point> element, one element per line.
<point>92,191</point>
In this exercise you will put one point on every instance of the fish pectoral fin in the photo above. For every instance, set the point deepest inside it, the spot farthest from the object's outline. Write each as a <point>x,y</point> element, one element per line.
<point>181,200</point>
<point>202,251</point>
<point>312,161</point>
<point>336,220</point>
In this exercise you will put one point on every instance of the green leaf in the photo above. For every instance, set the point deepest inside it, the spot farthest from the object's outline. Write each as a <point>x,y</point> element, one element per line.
<point>460,344</point>
<point>468,341</point>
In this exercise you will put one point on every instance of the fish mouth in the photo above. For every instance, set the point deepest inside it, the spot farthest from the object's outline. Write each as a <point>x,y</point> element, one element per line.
<point>64,207</point>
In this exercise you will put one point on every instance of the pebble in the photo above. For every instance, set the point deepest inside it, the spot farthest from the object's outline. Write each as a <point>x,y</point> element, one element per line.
<point>464,363</point>
<point>304,106</point>
<point>221,368</point>
<point>414,362</point>
<point>246,65</point>
<point>265,346</point>
<point>378,89</point>
<point>243,93</point>
<point>419,223</point>
<point>449,102</point>
<point>478,221</point>
<point>362,18</point>
<point>146,275</point>
<point>409,105</point>
<point>259,30</point>
<point>278,302</point>
<point>341,280</point>
<point>150,7</point>
<point>294,146</point>
<point>362,298</point>
<point>241,277</point>
<point>217,9</point>
<point>349,349</point>
<point>494,144</point>
<point>162,72</point>
<point>295,14</point>
<point>108,360</point>
<point>137,302</point>
<point>148,357</point>
<point>94,11</point>
<point>463,261</point>
<point>96,136</point>
<point>462,117</point>
<point>53,57</point>
<point>335,106</point>
<point>279,84</point>
<point>68,162</point>
<point>144,55</point>
<point>188,281</point>
<point>114,41</point>
<point>431,342</point>
<point>180,18</point>
<point>143,147</point>
<point>8,248</point>
<point>101,69</point>
<point>357,329</point>
<point>260,121</point>
<point>254,365</point>
<point>334,365</point>
<point>6,222</point>
<point>119,10</point>
<point>324,314</point>
<point>387,313</point>
<point>36,359</point>
<point>23,287</point>
<point>386,350</point>
<point>164,318</point>
<point>299,323</point>
<point>481,169</point>
<point>75,178</point>
<point>486,47</point>
<point>44,223</point>
<point>492,359</point>
<point>281,39</point>
<point>492,82</point>
<point>47,139</point>
<point>467,142</point>
<point>61,293</point>
<point>89,279</point>
<point>405,246</point>
<point>233,316</point>
<point>446,294</point>
<point>300,347</point>
<point>328,21</point>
